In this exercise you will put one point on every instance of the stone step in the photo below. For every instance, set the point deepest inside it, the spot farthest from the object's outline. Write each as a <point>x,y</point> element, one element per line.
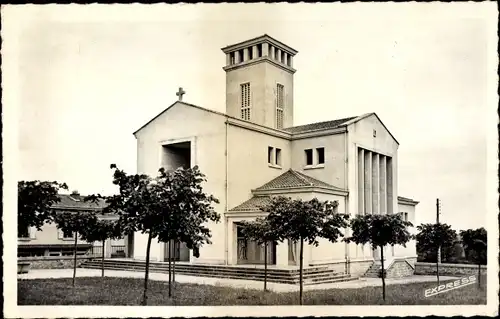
<point>210,268</point>
<point>224,272</point>
<point>214,275</point>
<point>259,273</point>
<point>316,268</point>
<point>187,268</point>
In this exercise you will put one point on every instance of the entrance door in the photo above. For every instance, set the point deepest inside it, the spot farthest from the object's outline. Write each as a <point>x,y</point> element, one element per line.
<point>249,252</point>
<point>180,252</point>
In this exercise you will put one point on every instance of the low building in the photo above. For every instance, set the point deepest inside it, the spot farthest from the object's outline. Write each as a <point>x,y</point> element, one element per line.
<point>51,241</point>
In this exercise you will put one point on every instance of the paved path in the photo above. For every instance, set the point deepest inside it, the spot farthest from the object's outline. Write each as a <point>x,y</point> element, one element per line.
<point>235,283</point>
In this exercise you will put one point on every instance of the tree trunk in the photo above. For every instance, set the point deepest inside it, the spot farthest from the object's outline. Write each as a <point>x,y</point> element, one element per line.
<point>145,295</point>
<point>74,260</point>
<point>301,262</point>
<point>102,261</point>
<point>437,264</point>
<point>265,266</point>
<point>170,268</point>
<point>383,271</point>
<point>173,263</point>
<point>479,275</point>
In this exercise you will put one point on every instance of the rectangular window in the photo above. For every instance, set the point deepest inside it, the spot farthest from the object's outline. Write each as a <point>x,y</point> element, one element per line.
<point>68,234</point>
<point>245,101</point>
<point>270,155</point>
<point>321,155</point>
<point>250,53</point>
<point>280,101</point>
<point>278,157</point>
<point>309,157</point>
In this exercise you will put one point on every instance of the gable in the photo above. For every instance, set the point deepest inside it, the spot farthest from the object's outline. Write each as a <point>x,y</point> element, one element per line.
<point>176,105</point>
<point>369,131</point>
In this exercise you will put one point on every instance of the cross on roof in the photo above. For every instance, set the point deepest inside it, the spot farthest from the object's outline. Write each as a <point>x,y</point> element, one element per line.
<point>180,93</point>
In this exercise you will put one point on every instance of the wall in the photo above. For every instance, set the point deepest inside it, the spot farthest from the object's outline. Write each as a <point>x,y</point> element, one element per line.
<point>248,166</point>
<point>360,134</point>
<point>263,78</point>
<point>448,269</point>
<point>333,171</point>
<point>48,235</point>
<point>206,131</point>
<point>399,269</point>
<point>411,247</point>
<point>54,262</point>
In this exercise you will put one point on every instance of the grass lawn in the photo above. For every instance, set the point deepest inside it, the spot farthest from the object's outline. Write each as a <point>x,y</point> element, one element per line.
<point>128,291</point>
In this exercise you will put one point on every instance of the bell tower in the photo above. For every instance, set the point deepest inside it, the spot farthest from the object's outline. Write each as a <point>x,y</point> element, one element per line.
<point>259,81</point>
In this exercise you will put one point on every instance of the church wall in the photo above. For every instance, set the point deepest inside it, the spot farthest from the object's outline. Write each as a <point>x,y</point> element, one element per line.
<point>333,170</point>
<point>411,247</point>
<point>327,251</point>
<point>248,163</point>
<point>370,134</point>
<point>206,132</point>
<point>275,76</point>
<point>251,74</point>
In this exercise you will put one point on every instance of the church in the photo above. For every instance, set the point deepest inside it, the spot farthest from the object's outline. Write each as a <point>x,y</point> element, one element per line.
<point>253,151</point>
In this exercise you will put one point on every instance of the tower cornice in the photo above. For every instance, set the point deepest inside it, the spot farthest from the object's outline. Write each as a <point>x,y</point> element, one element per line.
<point>261,39</point>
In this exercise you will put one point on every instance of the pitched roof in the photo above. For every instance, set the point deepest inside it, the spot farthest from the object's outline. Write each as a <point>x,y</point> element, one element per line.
<point>318,125</point>
<point>253,204</point>
<point>76,202</point>
<point>293,179</point>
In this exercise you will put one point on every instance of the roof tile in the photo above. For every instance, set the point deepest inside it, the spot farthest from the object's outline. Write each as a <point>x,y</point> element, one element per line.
<point>292,179</point>
<point>318,125</point>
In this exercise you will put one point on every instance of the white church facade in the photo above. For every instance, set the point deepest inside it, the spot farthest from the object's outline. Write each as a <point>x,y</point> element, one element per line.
<point>253,152</point>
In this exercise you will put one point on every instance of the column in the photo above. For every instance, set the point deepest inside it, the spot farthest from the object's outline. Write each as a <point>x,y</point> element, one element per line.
<point>382,185</point>
<point>271,52</point>
<point>368,182</point>
<point>285,61</point>
<point>282,253</point>
<point>237,57</point>
<point>389,186</point>
<point>107,251</point>
<point>265,49</point>
<point>361,182</point>
<point>279,55</point>
<point>254,52</point>
<point>228,59</point>
<point>246,54</point>
<point>375,183</point>
<point>290,61</point>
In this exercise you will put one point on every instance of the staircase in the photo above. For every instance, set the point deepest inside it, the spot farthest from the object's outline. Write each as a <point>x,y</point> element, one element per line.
<point>311,275</point>
<point>374,270</point>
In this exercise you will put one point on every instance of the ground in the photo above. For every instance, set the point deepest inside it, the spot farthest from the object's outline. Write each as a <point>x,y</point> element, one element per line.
<point>128,291</point>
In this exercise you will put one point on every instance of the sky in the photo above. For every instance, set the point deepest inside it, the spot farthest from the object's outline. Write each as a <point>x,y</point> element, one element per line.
<point>87,77</point>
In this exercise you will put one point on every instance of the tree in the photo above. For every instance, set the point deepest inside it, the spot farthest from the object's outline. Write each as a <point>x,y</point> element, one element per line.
<point>302,221</point>
<point>187,208</point>
<point>380,231</point>
<point>475,246</point>
<point>431,237</point>
<point>262,233</point>
<point>101,230</point>
<point>75,222</point>
<point>35,201</point>
<point>171,205</point>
